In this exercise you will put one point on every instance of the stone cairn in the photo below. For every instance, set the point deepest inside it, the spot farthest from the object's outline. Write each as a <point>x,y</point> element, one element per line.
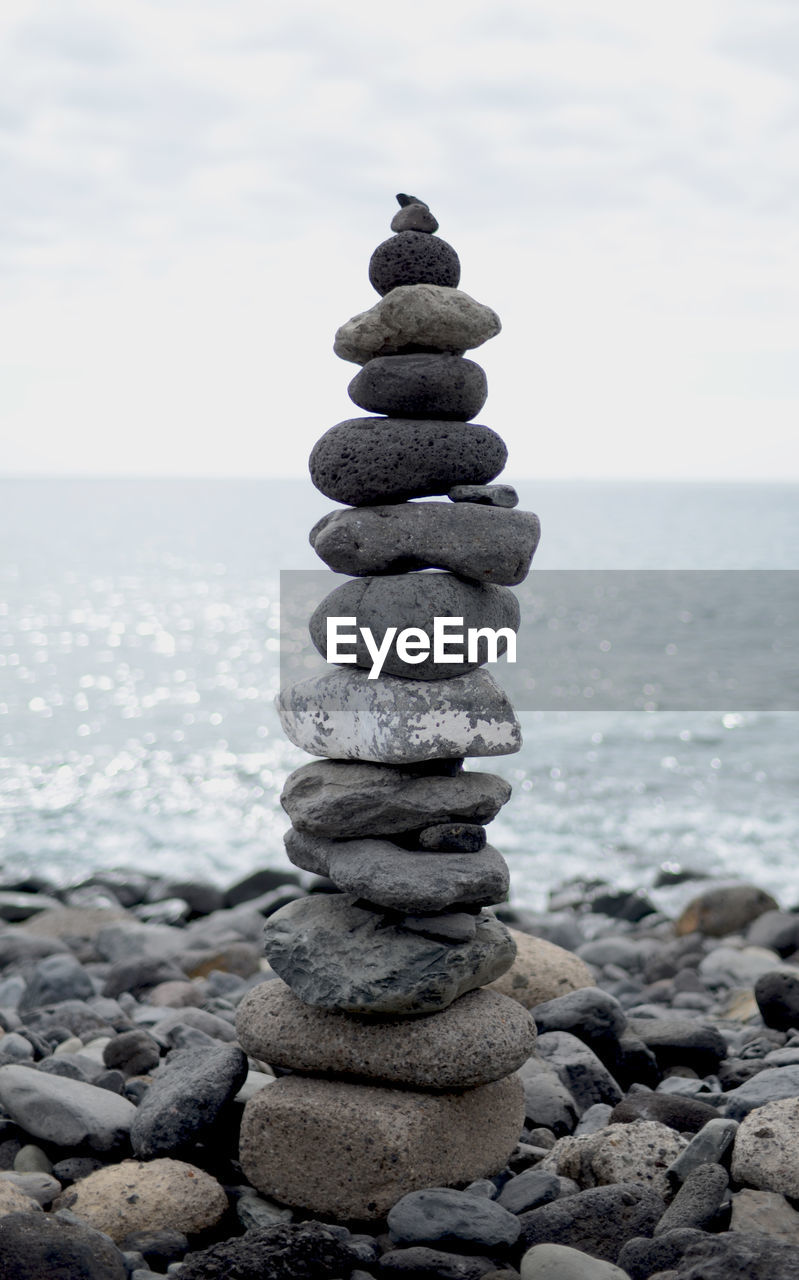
<point>401,1057</point>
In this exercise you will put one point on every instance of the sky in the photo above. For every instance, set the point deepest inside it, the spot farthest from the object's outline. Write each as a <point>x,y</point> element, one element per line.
<point>190,192</point>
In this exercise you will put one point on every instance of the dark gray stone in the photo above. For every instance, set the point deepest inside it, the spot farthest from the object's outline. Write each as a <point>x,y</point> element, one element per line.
<point>363,461</point>
<point>287,1251</point>
<point>682,1042</point>
<point>391,877</point>
<point>768,1085</point>
<point>687,1115</point>
<point>133,1052</point>
<point>547,1102</point>
<point>424,385</point>
<point>40,1247</point>
<point>200,897</point>
<point>453,837</point>
<point>447,926</point>
<point>54,979</point>
<point>777,930</point>
<point>485,495</point>
<point>139,975</point>
<point>419,1263</point>
<point>588,1013</point>
<point>709,1146</point>
<point>598,1221</point>
<point>416,600</point>
<point>157,1247</point>
<point>344,715</point>
<point>74,1168</point>
<point>350,799</point>
<point>219,1028</point>
<point>67,1113</point>
<point>414,217</point>
<point>413,257</point>
<point>777,996</point>
<point>336,955</point>
<point>441,1216</point>
<point>486,544</point>
<point>260,882</point>
<point>21,906</point>
<point>21,949</point>
<point>529,1190</point>
<point>739,1255</point>
<point>579,1069</point>
<point>697,1202</point>
<point>185,1099</point>
<point>643,1257</point>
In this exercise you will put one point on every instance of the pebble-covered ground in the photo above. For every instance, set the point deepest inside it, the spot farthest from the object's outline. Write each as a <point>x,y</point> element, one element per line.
<point>662,1104</point>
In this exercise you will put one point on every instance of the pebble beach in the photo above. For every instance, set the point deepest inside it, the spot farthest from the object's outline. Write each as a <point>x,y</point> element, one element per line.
<point>661,1100</point>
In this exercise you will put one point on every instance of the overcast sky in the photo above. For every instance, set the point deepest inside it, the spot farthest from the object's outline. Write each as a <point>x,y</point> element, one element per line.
<point>190,192</point>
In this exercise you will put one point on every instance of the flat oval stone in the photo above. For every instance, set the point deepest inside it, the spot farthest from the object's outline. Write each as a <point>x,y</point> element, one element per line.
<point>402,880</point>
<point>487,544</point>
<point>478,1038</point>
<point>443,1216</point>
<point>352,1150</point>
<point>346,716</point>
<point>335,954</point>
<point>425,385</point>
<point>417,317</point>
<point>413,257</point>
<point>343,798</point>
<point>487,495</point>
<point>365,460</point>
<point>416,600</point>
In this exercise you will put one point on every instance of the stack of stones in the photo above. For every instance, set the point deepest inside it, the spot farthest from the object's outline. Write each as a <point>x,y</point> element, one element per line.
<point>401,1062</point>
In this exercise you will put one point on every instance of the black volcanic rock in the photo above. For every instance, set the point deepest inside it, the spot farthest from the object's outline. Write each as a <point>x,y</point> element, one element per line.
<point>421,386</point>
<point>365,460</point>
<point>413,257</point>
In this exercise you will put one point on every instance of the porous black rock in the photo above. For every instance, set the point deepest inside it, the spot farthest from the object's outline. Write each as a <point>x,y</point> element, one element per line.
<point>157,1247</point>
<point>643,1256</point>
<point>42,1247</point>
<point>420,1263</point>
<point>288,1251</point>
<point>697,1202</point>
<point>486,544</point>
<point>382,873</point>
<point>413,257</point>
<point>362,461</point>
<point>185,1098</point>
<point>598,1221</point>
<point>777,995</point>
<point>739,1255</point>
<point>349,799</point>
<point>417,600</point>
<point>421,385</point>
<point>133,1052</point>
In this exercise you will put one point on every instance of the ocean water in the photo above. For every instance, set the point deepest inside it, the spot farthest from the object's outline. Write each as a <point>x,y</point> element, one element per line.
<point>139,658</point>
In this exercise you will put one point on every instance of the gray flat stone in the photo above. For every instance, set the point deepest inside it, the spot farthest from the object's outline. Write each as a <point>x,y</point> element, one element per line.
<point>478,1038</point>
<point>186,1095</point>
<point>385,874</point>
<point>416,600</point>
<point>708,1146</point>
<point>425,385</point>
<point>417,317</point>
<point>414,217</point>
<point>486,495</point>
<point>413,257</point>
<point>350,799</point>
<point>345,715</point>
<point>443,1216</point>
<point>337,955</point>
<point>67,1113</point>
<point>487,544</point>
<point>363,461</point>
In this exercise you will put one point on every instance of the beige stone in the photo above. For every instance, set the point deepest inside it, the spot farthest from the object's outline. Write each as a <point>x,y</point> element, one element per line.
<point>639,1152</point>
<point>541,971</point>
<point>480,1037</point>
<point>766,1212</point>
<point>766,1152</point>
<point>73,922</point>
<point>353,1150</point>
<point>134,1196</point>
<point>177,995</point>
<point>13,1200</point>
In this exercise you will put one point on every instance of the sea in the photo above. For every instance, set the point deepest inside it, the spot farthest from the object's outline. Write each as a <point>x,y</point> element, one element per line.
<point>140,658</point>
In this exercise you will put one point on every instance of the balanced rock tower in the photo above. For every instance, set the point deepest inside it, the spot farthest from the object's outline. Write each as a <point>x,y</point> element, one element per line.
<point>402,1063</point>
